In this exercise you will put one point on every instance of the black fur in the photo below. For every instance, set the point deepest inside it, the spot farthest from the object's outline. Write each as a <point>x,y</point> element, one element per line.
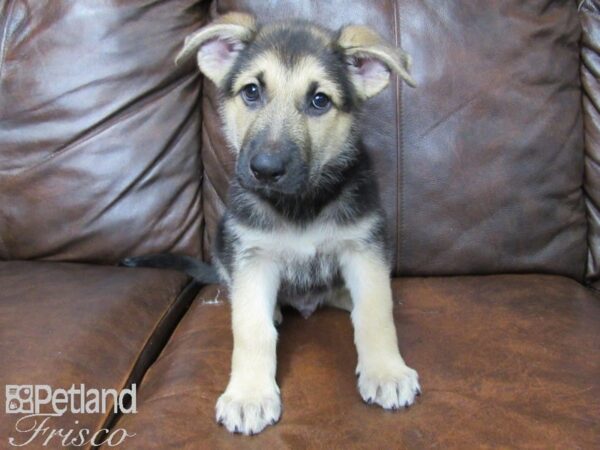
<point>200,271</point>
<point>349,178</point>
<point>346,192</point>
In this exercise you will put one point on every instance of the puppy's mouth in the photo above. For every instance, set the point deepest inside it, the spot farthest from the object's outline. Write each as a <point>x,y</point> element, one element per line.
<point>270,177</point>
<point>289,184</point>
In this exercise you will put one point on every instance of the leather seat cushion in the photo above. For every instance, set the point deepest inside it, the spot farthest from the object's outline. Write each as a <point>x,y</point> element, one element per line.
<point>503,359</point>
<point>65,324</point>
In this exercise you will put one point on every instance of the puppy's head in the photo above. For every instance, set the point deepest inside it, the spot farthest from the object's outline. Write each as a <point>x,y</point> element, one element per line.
<point>290,93</point>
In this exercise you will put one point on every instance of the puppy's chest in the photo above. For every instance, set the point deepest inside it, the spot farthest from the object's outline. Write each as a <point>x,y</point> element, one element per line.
<point>308,261</point>
<point>307,283</point>
<point>304,272</point>
<point>304,259</point>
<point>308,273</point>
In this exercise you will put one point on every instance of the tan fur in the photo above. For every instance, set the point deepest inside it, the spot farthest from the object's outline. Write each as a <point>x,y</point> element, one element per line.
<point>286,90</point>
<point>361,41</point>
<point>237,27</point>
<point>252,385</point>
<point>384,377</point>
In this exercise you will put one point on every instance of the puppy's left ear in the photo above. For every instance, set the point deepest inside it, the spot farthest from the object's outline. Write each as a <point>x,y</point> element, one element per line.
<point>371,60</point>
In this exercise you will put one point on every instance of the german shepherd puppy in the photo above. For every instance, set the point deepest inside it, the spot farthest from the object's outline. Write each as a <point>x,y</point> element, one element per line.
<point>304,225</point>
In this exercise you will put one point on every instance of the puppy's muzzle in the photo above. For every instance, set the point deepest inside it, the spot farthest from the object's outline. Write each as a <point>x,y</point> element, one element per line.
<point>272,166</point>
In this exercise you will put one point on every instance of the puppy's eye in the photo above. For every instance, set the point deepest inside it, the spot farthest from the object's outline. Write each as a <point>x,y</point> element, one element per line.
<point>320,101</point>
<point>251,93</point>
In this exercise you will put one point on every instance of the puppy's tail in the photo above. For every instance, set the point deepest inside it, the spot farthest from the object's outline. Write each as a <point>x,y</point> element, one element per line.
<point>198,270</point>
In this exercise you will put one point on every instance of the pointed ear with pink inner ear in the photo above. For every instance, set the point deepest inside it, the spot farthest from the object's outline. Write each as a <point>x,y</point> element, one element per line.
<point>371,60</point>
<point>218,44</point>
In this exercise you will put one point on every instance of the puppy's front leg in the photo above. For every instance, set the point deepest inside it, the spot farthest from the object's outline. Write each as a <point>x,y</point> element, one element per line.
<point>383,376</point>
<point>251,400</point>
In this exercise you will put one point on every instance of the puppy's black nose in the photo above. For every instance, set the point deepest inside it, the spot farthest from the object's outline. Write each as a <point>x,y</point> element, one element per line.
<point>267,167</point>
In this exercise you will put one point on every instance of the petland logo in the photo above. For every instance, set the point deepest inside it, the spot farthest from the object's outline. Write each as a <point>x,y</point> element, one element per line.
<point>39,404</point>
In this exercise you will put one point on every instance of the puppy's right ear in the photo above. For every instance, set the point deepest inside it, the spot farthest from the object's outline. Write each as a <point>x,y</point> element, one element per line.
<point>218,44</point>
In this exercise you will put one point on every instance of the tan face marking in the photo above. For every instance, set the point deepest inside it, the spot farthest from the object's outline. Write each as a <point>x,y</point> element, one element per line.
<point>284,108</point>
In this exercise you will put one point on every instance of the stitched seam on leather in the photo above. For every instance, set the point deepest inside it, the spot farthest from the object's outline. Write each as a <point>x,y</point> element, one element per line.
<point>590,274</point>
<point>215,204</point>
<point>399,150</point>
<point>5,27</point>
<point>212,197</point>
<point>220,161</point>
<point>199,195</point>
<point>3,246</point>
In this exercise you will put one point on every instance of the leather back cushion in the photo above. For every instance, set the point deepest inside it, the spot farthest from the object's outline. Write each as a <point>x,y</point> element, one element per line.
<point>590,67</point>
<point>481,165</point>
<point>99,131</point>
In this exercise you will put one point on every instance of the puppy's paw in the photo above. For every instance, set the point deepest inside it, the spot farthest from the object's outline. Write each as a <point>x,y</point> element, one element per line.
<point>391,385</point>
<point>248,411</point>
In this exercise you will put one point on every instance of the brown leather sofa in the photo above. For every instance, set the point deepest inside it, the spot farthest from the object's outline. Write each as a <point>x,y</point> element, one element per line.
<point>490,173</point>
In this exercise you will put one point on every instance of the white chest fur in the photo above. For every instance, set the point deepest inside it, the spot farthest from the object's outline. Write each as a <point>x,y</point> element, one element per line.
<point>291,243</point>
<point>307,259</point>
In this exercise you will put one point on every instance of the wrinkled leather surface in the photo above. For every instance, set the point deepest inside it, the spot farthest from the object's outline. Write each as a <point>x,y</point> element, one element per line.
<point>99,131</point>
<point>507,361</point>
<point>481,166</point>
<point>590,75</point>
<point>64,324</point>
